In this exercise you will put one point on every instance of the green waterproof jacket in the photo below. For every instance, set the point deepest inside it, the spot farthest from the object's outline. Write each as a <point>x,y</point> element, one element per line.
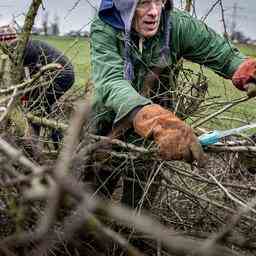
<point>191,39</point>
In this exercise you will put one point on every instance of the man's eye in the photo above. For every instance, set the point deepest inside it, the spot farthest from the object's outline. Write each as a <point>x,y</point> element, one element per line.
<point>160,2</point>
<point>144,2</point>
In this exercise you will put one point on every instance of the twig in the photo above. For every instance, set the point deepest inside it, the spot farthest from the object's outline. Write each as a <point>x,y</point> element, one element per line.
<point>199,122</point>
<point>22,92</point>
<point>229,195</point>
<point>224,22</point>
<point>9,106</point>
<point>59,125</point>
<point>176,244</point>
<point>71,140</point>
<point>212,202</point>
<point>82,218</point>
<point>48,67</point>
<point>18,55</point>
<point>220,147</point>
<point>225,232</point>
<point>223,148</point>
<point>16,155</point>
<point>210,10</point>
<point>97,226</point>
<point>3,61</point>
<point>197,177</point>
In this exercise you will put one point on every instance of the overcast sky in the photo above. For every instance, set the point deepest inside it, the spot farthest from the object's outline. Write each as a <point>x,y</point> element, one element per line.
<point>75,17</point>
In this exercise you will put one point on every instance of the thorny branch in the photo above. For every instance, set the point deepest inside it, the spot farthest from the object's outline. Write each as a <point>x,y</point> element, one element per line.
<point>30,82</point>
<point>229,146</point>
<point>18,55</point>
<point>66,183</point>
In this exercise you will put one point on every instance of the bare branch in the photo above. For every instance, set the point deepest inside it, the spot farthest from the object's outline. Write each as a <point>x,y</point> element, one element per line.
<point>17,67</point>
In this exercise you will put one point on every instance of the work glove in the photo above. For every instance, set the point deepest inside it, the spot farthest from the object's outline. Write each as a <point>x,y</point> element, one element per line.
<point>175,139</point>
<point>244,77</point>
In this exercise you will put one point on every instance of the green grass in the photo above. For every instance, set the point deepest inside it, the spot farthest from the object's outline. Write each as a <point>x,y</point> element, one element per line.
<point>77,49</point>
<point>224,90</point>
<point>249,50</point>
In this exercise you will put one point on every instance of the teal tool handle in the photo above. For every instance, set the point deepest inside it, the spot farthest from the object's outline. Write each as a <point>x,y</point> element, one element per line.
<point>209,138</point>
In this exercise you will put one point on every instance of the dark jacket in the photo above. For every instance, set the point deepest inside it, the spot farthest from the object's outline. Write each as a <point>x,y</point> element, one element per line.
<point>38,54</point>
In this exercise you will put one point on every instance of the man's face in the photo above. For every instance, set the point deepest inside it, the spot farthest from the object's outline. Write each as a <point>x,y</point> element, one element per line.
<point>147,17</point>
<point>8,34</point>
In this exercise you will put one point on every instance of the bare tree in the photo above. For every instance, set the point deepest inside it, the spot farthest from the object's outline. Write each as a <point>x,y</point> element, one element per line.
<point>45,22</point>
<point>55,25</point>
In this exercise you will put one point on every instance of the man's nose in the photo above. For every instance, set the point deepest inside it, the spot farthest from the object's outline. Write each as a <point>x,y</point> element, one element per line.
<point>153,11</point>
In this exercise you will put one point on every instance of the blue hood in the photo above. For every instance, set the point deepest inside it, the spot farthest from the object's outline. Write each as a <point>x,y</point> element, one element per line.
<point>109,14</point>
<point>118,13</point>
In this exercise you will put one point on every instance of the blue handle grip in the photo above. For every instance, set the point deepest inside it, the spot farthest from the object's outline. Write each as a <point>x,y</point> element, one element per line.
<point>209,138</point>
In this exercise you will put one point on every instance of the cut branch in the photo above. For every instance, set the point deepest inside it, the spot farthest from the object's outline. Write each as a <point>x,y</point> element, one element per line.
<point>18,55</point>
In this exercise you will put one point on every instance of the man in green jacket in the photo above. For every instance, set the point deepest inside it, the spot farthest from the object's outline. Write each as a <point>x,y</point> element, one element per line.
<point>133,44</point>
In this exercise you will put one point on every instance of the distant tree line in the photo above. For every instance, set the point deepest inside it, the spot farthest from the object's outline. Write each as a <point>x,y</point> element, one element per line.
<point>53,28</point>
<point>47,28</point>
<point>240,37</point>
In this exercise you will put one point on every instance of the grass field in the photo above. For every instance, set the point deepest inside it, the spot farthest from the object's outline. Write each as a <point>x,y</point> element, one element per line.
<point>77,49</point>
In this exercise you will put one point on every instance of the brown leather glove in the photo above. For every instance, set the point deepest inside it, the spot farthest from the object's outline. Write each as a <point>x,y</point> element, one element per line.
<point>244,77</point>
<point>175,139</point>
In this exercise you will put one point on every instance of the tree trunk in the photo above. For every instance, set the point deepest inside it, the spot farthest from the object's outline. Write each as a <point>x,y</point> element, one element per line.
<point>18,55</point>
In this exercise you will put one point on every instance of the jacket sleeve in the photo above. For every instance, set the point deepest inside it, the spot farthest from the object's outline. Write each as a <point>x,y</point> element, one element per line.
<point>111,89</point>
<point>202,45</point>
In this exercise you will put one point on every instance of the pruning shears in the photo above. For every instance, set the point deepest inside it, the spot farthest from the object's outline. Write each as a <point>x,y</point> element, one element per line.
<point>214,136</point>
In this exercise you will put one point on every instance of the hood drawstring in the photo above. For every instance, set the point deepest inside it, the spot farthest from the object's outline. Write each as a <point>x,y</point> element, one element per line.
<point>141,41</point>
<point>128,65</point>
<point>165,50</point>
